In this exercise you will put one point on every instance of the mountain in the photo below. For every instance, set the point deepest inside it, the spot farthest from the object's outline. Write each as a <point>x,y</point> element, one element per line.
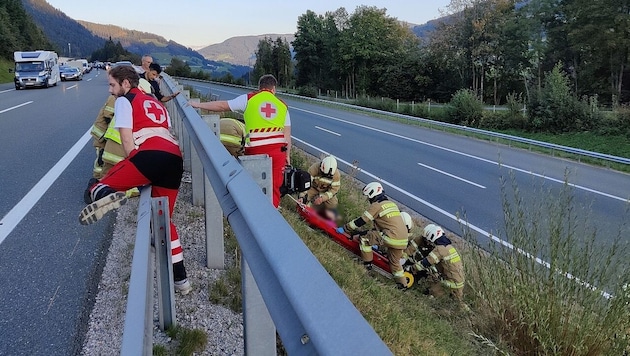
<point>240,50</point>
<point>72,38</point>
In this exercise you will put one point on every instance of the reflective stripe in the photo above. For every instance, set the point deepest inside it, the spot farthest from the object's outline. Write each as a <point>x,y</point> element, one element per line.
<point>265,142</point>
<point>368,215</point>
<point>390,210</point>
<point>111,158</point>
<point>396,243</point>
<point>231,139</point>
<point>97,132</point>
<point>453,256</point>
<point>140,136</point>
<point>108,108</point>
<point>452,285</point>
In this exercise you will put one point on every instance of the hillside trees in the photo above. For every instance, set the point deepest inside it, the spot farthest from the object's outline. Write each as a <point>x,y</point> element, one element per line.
<point>114,52</point>
<point>18,32</point>
<point>274,57</point>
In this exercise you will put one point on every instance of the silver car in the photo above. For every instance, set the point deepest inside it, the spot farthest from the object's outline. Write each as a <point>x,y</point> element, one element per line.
<point>71,73</point>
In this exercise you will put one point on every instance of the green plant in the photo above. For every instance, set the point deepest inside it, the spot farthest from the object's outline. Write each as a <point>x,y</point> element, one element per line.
<point>465,108</point>
<point>524,293</point>
<point>187,341</point>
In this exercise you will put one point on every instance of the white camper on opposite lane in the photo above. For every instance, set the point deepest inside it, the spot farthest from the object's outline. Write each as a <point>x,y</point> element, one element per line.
<point>36,69</point>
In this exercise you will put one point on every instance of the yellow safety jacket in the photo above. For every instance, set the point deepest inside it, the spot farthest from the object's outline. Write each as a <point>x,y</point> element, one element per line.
<point>113,152</point>
<point>232,135</point>
<point>265,116</point>
<point>102,121</point>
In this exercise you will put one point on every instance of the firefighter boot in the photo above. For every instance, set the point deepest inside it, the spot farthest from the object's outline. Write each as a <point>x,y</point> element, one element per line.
<point>105,199</point>
<point>87,195</point>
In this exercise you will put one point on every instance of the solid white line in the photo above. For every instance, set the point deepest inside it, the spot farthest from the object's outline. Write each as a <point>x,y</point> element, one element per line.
<point>451,175</point>
<point>470,156</point>
<point>461,222</point>
<point>330,132</point>
<point>19,211</point>
<point>15,107</point>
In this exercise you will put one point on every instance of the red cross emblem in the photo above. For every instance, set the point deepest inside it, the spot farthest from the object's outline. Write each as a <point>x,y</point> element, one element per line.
<point>154,111</point>
<point>268,111</point>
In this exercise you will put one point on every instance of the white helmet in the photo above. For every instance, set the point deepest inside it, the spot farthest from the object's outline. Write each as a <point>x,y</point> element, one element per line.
<point>407,219</point>
<point>372,189</point>
<point>432,232</point>
<point>328,165</point>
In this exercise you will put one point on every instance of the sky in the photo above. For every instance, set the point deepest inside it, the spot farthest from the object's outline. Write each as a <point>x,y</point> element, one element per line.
<point>199,23</point>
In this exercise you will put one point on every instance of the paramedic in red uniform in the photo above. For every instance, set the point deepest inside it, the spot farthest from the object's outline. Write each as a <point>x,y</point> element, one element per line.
<point>267,126</point>
<point>152,157</point>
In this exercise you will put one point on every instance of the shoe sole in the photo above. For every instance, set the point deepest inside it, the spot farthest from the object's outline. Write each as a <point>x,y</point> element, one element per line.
<point>95,211</point>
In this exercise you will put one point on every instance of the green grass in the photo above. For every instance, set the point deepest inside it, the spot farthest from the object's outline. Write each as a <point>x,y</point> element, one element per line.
<point>186,342</point>
<point>5,76</point>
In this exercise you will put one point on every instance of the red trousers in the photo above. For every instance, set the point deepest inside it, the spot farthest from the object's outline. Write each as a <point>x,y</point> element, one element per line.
<point>278,155</point>
<point>162,170</point>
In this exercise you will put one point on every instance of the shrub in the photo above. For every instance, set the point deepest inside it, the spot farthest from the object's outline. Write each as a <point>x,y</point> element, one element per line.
<point>308,91</point>
<point>465,108</point>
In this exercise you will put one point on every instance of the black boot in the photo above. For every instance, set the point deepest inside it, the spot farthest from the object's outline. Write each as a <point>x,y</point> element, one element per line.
<point>87,195</point>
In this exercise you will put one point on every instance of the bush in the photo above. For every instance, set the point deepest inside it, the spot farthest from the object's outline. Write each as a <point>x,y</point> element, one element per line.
<point>465,108</point>
<point>308,91</point>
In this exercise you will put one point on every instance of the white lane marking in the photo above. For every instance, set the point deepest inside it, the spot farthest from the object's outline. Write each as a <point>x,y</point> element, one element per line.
<point>15,107</point>
<point>72,86</point>
<point>470,156</point>
<point>451,175</point>
<point>4,91</point>
<point>465,223</point>
<point>330,132</point>
<point>19,211</point>
<point>89,79</point>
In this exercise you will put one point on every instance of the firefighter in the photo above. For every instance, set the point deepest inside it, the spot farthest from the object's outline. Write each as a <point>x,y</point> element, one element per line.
<point>325,183</point>
<point>98,130</point>
<point>233,136</point>
<point>448,262</point>
<point>389,231</point>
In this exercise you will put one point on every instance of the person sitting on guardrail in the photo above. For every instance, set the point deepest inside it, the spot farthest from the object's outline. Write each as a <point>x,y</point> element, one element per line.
<point>389,230</point>
<point>325,184</point>
<point>267,126</point>
<point>153,158</point>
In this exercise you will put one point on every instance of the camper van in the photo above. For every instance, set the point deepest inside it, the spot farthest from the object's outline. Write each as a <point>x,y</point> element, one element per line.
<point>36,69</point>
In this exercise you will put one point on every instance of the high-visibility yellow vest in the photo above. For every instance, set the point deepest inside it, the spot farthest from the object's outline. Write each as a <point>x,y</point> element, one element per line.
<point>112,133</point>
<point>264,119</point>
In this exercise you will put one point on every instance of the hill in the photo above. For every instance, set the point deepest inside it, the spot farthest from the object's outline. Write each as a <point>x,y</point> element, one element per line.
<point>69,36</point>
<point>239,50</point>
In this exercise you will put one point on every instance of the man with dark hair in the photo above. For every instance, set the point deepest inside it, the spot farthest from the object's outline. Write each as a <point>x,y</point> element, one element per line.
<point>152,76</point>
<point>152,157</point>
<point>267,126</point>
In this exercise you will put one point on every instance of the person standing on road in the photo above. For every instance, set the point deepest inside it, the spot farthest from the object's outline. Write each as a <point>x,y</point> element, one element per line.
<point>152,157</point>
<point>267,126</point>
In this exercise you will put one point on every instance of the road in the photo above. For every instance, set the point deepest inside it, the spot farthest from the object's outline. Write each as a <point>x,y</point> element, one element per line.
<point>50,265</point>
<point>443,176</point>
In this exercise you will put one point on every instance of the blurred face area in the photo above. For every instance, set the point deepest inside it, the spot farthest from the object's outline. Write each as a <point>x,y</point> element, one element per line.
<point>152,75</point>
<point>118,89</point>
<point>146,61</point>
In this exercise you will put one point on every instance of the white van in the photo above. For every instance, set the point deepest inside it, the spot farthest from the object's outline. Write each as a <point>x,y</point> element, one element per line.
<point>36,69</point>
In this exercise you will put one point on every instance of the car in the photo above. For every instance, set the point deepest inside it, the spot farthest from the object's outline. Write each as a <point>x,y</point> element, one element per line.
<point>71,73</point>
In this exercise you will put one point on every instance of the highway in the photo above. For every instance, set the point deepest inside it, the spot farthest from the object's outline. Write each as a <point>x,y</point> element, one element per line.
<point>50,265</point>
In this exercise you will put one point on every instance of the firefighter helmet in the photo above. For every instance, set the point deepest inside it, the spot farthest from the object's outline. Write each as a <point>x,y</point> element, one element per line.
<point>407,219</point>
<point>328,165</point>
<point>432,232</point>
<point>372,189</point>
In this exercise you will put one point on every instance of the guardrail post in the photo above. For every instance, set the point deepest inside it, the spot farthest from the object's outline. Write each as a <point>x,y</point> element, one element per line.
<point>161,236</point>
<point>260,331</point>
<point>215,248</point>
<point>138,331</point>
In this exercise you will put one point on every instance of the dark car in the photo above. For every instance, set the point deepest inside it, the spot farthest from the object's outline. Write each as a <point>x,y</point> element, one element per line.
<point>70,73</point>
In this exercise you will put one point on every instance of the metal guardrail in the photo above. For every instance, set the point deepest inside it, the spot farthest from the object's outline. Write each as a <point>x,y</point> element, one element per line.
<point>565,149</point>
<point>311,313</point>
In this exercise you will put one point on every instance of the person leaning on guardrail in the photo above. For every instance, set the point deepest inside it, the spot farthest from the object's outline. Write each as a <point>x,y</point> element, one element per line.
<point>152,157</point>
<point>267,126</point>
